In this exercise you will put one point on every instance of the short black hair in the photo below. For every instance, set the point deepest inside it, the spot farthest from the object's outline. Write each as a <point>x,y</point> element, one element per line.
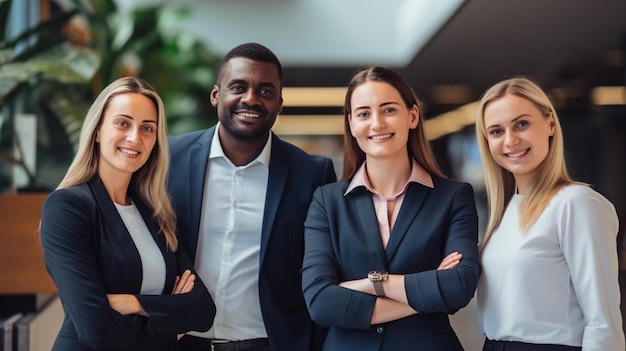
<point>252,51</point>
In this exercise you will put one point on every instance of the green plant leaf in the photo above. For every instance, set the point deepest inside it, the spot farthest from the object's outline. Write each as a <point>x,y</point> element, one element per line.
<point>80,63</point>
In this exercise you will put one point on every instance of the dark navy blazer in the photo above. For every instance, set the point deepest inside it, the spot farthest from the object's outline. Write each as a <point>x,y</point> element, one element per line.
<point>342,242</point>
<point>89,253</point>
<point>293,177</point>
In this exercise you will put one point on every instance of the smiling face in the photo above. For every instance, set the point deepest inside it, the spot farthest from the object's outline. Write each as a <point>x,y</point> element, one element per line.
<point>127,135</point>
<point>518,134</point>
<point>248,99</point>
<point>380,121</point>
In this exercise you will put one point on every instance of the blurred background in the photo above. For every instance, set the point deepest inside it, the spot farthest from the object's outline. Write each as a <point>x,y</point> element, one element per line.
<point>56,55</point>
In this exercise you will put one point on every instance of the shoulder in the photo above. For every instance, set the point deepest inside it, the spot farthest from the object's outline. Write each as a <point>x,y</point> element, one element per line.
<point>72,207</point>
<point>581,206</point>
<point>296,154</point>
<point>77,194</point>
<point>77,201</point>
<point>332,194</point>
<point>334,188</point>
<point>581,196</point>
<point>185,139</point>
<point>450,185</point>
<point>301,164</point>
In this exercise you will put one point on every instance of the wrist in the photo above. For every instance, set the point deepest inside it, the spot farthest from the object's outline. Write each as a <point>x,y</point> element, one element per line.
<point>377,278</point>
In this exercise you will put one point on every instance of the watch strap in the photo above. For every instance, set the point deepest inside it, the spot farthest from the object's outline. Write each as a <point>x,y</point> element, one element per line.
<point>378,288</point>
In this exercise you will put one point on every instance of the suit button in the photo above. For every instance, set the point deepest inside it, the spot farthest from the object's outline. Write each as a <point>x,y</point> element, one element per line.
<point>380,330</point>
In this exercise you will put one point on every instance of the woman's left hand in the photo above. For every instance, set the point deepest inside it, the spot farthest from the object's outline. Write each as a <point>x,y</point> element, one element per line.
<point>450,261</point>
<point>184,284</point>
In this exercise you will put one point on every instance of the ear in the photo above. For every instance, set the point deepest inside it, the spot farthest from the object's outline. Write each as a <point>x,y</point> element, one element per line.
<point>414,114</point>
<point>552,124</point>
<point>213,95</point>
<point>98,136</point>
<point>280,104</point>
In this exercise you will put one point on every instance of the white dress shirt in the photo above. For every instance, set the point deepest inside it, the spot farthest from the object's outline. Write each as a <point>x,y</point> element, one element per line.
<point>229,242</point>
<point>557,283</point>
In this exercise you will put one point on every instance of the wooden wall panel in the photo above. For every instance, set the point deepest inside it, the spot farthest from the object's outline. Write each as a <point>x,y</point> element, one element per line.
<point>22,270</point>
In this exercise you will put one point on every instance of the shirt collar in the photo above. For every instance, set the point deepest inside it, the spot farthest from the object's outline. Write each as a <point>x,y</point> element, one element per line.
<point>418,175</point>
<point>216,150</point>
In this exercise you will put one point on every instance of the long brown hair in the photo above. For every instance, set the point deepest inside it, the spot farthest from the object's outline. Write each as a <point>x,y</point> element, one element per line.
<point>417,145</point>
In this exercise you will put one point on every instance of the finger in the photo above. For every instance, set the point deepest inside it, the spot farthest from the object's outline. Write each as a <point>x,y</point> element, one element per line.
<point>450,261</point>
<point>453,264</point>
<point>175,285</point>
<point>446,261</point>
<point>186,274</point>
<point>453,257</point>
<point>180,287</point>
<point>189,284</point>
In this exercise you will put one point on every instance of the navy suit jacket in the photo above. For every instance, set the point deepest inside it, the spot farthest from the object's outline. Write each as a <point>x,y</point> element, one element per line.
<point>89,253</point>
<point>342,242</point>
<point>293,177</point>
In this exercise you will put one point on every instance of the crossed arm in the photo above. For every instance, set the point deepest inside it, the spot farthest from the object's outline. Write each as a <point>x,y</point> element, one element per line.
<point>395,305</point>
<point>127,304</point>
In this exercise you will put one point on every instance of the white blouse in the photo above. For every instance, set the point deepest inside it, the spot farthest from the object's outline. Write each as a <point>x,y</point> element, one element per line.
<point>152,261</point>
<point>558,282</point>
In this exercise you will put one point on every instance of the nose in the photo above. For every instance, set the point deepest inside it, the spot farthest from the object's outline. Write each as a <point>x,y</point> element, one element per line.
<point>250,98</point>
<point>133,135</point>
<point>510,138</point>
<point>378,121</point>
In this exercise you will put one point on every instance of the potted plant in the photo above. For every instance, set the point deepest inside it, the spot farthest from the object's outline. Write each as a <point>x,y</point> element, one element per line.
<point>77,52</point>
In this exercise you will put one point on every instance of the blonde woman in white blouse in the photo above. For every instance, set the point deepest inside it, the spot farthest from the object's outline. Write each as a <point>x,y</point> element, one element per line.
<point>549,255</point>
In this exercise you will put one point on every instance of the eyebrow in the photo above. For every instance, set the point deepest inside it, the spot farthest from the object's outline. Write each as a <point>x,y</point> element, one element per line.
<point>245,82</point>
<point>380,105</point>
<point>131,117</point>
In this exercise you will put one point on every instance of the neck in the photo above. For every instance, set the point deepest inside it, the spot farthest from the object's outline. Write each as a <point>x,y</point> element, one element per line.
<point>521,185</point>
<point>117,188</point>
<point>388,176</point>
<point>242,152</point>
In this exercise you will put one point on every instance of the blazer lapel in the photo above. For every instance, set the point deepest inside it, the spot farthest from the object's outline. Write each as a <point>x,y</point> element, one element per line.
<point>118,230</point>
<point>278,171</point>
<point>414,199</point>
<point>363,205</point>
<point>198,159</point>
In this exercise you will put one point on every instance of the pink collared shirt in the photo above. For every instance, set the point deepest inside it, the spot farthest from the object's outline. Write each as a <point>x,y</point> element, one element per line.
<point>387,208</point>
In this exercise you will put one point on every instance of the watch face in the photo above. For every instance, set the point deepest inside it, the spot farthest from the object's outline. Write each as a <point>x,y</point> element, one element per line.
<point>377,276</point>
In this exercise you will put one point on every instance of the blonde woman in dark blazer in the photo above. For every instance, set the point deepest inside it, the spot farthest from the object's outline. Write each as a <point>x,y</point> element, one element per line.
<point>391,249</point>
<point>108,233</point>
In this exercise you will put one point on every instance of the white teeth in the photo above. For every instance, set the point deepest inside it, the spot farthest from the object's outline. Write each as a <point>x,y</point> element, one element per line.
<point>249,115</point>
<point>380,137</point>
<point>129,152</point>
<point>517,154</point>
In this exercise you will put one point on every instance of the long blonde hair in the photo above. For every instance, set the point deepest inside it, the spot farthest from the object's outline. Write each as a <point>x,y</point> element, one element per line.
<point>149,181</point>
<point>500,183</point>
